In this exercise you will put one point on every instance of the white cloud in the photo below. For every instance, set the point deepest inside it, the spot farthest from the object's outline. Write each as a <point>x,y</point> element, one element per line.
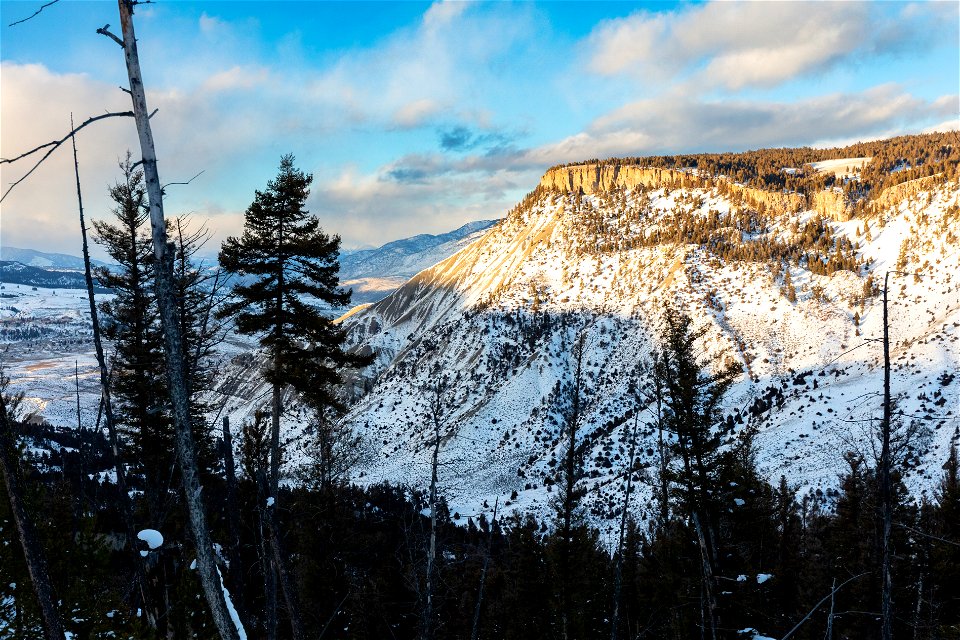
<point>678,123</point>
<point>235,78</point>
<point>947,125</point>
<point>754,44</point>
<point>684,124</point>
<point>372,208</point>
<point>194,130</point>
<point>415,113</point>
<point>443,13</point>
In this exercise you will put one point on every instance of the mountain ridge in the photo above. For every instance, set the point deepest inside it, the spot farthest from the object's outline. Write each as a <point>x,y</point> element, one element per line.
<point>499,318</point>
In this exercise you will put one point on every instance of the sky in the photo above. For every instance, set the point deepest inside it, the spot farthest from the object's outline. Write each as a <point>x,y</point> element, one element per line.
<point>418,117</point>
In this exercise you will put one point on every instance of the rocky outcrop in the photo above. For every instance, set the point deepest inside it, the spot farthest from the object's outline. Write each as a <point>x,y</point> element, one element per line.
<point>906,190</point>
<point>599,178</point>
<point>833,204</point>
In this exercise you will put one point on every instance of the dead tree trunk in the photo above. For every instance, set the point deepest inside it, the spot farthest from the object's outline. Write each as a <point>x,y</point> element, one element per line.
<point>126,509</point>
<point>32,551</point>
<point>570,496</point>
<point>81,484</point>
<point>276,544</point>
<point>233,520</point>
<point>711,606</point>
<point>886,508</point>
<point>475,634</point>
<point>173,341</point>
<point>662,450</point>
<point>283,575</point>
<point>427,631</point>
<point>266,559</point>
<point>618,573</point>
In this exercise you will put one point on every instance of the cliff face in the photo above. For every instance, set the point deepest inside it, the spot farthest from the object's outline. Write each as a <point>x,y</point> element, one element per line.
<point>593,178</point>
<point>906,190</point>
<point>833,204</point>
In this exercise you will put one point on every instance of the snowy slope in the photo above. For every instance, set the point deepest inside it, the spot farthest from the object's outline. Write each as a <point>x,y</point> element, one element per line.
<point>499,320</point>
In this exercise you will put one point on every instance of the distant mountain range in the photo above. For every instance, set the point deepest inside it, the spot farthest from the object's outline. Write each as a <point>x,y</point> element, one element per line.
<point>371,273</point>
<point>375,273</point>
<point>43,260</point>
<point>22,274</point>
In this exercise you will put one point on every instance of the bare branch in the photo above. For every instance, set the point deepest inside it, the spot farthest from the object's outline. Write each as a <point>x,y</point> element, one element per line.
<point>35,13</point>
<point>927,535</point>
<point>54,145</point>
<point>105,31</point>
<point>187,182</point>
<point>817,606</point>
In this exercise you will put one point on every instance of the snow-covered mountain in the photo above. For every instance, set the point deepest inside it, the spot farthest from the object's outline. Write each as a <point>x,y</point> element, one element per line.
<point>375,273</point>
<point>18,273</point>
<point>787,288</point>
<point>34,258</point>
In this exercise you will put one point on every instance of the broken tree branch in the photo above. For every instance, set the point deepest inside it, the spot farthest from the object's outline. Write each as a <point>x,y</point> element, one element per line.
<point>54,145</point>
<point>34,14</point>
<point>187,182</point>
<point>105,31</point>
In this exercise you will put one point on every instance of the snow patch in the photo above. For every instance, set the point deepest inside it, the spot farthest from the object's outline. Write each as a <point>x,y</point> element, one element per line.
<point>152,537</point>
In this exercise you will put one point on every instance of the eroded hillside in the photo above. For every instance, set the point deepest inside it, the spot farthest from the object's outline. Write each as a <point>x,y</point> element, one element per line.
<point>788,292</point>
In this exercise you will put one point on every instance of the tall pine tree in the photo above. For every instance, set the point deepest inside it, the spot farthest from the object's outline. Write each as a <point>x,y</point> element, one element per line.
<point>131,323</point>
<point>285,260</point>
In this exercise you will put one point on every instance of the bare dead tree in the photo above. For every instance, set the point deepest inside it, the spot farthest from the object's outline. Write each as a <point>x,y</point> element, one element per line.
<point>106,405</point>
<point>886,508</point>
<point>572,471</point>
<point>34,14</point>
<point>32,551</point>
<point>233,518</point>
<point>886,492</point>
<point>475,633</point>
<point>618,571</point>
<point>53,146</point>
<point>173,340</point>
<point>81,498</point>
<point>437,410</point>
<point>829,596</point>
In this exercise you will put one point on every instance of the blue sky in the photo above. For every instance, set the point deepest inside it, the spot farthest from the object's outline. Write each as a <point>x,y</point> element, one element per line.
<point>418,117</point>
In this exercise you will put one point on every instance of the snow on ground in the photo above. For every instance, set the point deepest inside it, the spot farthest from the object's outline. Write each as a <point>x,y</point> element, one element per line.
<point>840,167</point>
<point>47,348</point>
<point>152,537</point>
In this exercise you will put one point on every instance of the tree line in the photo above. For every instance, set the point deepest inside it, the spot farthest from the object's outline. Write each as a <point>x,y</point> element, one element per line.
<point>726,553</point>
<point>893,161</point>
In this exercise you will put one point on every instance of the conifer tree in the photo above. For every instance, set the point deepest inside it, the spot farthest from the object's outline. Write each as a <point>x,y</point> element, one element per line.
<point>691,395</point>
<point>286,260</point>
<point>946,549</point>
<point>131,323</point>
